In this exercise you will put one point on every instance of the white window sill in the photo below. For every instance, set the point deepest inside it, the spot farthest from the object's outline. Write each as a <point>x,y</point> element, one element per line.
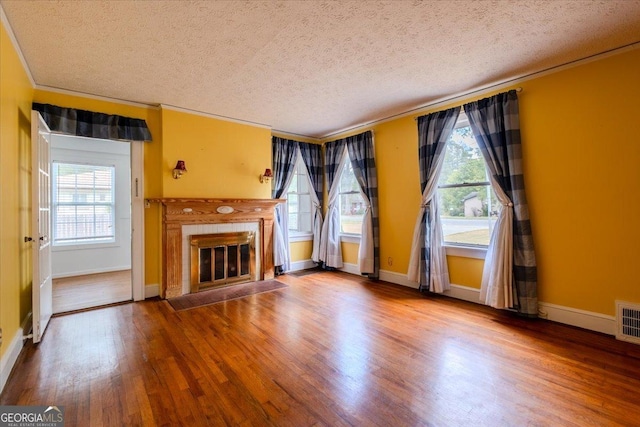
<point>350,238</point>
<point>61,247</point>
<point>466,251</point>
<point>300,237</point>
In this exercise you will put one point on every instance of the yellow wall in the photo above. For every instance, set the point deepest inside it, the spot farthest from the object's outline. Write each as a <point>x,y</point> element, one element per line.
<point>301,251</point>
<point>582,170</point>
<point>582,152</point>
<point>15,145</point>
<point>224,159</point>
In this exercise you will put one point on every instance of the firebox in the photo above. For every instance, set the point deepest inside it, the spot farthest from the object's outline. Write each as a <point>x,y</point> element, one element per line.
<point>222,259</point>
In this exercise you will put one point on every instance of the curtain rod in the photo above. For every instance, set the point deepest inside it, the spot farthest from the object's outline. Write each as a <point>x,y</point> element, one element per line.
<point>518,89</point>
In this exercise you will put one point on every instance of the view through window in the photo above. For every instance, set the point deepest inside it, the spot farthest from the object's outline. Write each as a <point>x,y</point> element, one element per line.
<point>299,200</point>
<point>83,203</point>
<point>468,205</point>
<point>351,202</point>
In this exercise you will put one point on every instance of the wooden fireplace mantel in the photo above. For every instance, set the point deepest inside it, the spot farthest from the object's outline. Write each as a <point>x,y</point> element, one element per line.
<point>177,212</point>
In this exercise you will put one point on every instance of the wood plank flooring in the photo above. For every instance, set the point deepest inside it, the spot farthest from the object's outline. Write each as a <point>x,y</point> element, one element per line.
<point>331,349</point>
<point>91,290</point>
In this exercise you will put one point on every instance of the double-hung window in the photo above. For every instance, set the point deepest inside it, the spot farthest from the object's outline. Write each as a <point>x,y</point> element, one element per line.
<point>468,205</point>
<point>299,201</point>
<point>83,203</point>
<point>352,205</point>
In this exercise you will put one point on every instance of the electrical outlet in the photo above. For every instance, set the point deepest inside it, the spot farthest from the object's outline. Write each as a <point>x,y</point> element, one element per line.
<point>389,261</point>
<point>0,337</point>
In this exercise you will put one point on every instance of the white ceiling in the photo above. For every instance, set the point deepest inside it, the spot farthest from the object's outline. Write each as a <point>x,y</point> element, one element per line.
<point>307,67</point>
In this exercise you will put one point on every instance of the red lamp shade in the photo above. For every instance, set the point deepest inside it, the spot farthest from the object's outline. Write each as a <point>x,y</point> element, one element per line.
<point>179,169</point>
<point>268,173</point>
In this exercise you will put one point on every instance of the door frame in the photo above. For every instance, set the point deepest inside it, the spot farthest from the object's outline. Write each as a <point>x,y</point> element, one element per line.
<point>136,192</point>
<point>137,220</point>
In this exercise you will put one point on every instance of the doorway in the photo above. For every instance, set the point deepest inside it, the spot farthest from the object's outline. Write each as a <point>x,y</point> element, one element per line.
<point>91,222</point>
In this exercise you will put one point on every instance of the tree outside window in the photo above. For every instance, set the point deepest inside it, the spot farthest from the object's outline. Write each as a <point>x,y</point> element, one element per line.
<point>352,205</point>
<point>468,205</point>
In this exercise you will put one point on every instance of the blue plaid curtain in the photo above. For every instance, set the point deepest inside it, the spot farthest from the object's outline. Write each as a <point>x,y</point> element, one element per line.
<point>361,153</point>
<point>330,250</point>
<point>284,154</point>
<point>495,125</point>
<point>312,158</point>
<point>93,125</point>
<point>428,261</point>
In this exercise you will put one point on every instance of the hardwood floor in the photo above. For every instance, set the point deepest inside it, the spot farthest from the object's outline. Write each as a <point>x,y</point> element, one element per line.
<point>331,349</point>
<point>91,290</point>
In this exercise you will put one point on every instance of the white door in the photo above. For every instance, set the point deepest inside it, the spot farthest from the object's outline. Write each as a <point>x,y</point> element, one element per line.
<point>41,225</point>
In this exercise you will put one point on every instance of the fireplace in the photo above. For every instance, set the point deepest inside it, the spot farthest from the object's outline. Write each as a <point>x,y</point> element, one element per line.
<point>182,218</point>
<point>221,259</point>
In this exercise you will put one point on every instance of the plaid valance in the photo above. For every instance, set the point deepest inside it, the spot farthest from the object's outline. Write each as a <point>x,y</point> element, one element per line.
<point>93,125</point>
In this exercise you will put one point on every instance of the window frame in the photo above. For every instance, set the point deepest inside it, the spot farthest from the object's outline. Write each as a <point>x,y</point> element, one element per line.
<point>92,241</point>
<point>297,235</point>
<point>345,236</point>
<point>468,250</point>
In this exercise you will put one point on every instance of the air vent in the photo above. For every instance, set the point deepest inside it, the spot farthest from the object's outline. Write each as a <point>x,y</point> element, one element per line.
<point>628,321</point>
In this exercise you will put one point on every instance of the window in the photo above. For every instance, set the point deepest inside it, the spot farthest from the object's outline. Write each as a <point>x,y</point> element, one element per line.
<point>468,205</point>
<point>299,200</point>
<point>83,203</point>
<point>352,205</point>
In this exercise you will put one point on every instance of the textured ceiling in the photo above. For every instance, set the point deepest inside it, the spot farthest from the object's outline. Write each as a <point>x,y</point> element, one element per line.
<point>306,67</point>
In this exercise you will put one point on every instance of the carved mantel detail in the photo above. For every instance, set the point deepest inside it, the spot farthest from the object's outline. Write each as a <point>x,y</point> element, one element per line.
<point>178,212</point>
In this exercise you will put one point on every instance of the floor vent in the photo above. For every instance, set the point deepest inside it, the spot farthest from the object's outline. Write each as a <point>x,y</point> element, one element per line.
<point>628,321</point>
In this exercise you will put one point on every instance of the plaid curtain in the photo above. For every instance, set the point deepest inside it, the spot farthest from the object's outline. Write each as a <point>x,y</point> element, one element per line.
<point>284,155</point>
<point>361,153</point>
<point>496,127</point>
<point>428,260</point>
<point>333,156</point>
<point>330,250</point>
<point>93,125</point>
<point>312,158</point>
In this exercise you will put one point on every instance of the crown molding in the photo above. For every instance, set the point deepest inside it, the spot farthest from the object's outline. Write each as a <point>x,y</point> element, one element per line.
<point>214,116</point>
<point>509,83</point>
<point>290,135</point>
<point>16,46</point>
<point>96,97</point>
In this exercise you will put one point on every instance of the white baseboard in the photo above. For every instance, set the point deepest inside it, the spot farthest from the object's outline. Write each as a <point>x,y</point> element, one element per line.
<point>92,271</point>
<point>151,291</point>
<point>556,313</point>
<point>351,268</point>
<point>302,265</point>
<point>457,291</point>
<point>397,278</point>
<point>464,293</point>
<point>13,351</point>
<point>580,318</point>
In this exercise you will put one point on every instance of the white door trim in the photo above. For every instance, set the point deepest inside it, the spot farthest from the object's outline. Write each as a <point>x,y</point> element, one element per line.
<point>137,220</point>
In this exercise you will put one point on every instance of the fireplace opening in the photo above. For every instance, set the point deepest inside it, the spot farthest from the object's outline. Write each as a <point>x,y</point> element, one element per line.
<point>222,259</point>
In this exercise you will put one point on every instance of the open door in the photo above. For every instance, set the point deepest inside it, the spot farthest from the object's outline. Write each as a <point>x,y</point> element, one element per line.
<point>41,225</point>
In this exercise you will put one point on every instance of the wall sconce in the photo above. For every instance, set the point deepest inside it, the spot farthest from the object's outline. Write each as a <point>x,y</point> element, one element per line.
<point>266,177</point>
<point>179,169</point>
